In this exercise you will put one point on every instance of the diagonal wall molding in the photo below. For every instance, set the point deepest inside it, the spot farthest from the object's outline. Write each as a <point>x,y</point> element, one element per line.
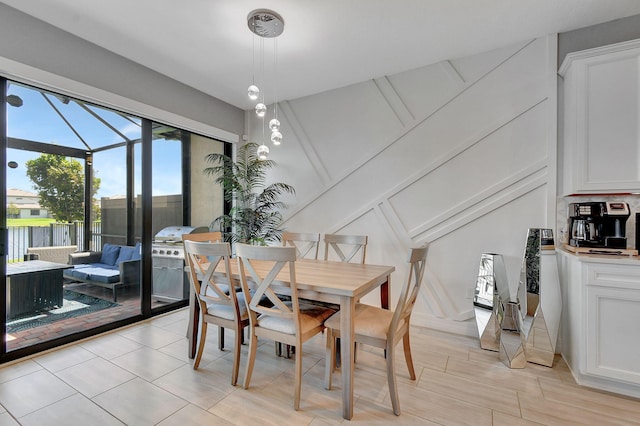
<point>335,181</point>
<point>513,88</point>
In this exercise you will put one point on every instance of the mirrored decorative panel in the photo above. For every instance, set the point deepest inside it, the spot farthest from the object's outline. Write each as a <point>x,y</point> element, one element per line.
<point>491,287</point>
<point>511,339</point>
<point>539,297</point>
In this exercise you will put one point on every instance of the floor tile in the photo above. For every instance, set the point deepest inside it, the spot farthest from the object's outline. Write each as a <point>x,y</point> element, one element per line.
<point>203,387</point>
<point>111,345</point>
<point>138,402</point>
<point>74,410</point>
<point>152,337</point>
<point>19,369</point>
<point>147,363</point>
<point>65,357</point>
<point>192,415</point>
<point>492,397</point>
<point>7,420</point>
<point>29,393</point>
<point>95,376</point>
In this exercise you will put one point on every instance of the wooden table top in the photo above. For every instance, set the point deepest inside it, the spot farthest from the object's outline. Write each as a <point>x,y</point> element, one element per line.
<point>34,266</point>
<point>325,276</point>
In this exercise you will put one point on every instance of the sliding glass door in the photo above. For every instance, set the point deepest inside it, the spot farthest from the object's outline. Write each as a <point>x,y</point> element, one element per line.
<point>87,189</point>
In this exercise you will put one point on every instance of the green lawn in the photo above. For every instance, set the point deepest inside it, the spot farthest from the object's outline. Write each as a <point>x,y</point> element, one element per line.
<point>30,222</point>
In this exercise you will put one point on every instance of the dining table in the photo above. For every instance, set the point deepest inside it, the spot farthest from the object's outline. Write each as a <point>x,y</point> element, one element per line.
<point>325,281</point>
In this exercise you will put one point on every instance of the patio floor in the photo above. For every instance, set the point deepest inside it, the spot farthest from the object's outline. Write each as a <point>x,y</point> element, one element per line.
<point>128,306</point>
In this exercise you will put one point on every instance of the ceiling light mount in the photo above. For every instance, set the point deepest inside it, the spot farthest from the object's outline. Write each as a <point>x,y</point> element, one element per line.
<point>265,23</point>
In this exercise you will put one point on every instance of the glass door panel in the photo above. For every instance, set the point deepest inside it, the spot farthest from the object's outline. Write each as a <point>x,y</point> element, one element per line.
<point>66,182</point>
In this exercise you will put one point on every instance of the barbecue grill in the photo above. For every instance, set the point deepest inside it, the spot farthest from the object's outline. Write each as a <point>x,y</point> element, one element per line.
<point>170,282</point>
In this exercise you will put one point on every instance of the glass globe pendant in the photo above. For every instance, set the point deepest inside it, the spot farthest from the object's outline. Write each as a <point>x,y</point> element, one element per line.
<point>276,137</point>
<point>274,124</point>
<point>262,152</point>
<point>261,109</point>
<point>253,92</point>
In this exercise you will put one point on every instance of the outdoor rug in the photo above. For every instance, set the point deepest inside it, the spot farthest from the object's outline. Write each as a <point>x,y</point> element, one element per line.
<point>75,304</point>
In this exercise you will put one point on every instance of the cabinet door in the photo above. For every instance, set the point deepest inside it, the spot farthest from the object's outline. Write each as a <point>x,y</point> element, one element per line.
<point>613,315</point>
<point>601,145</point>
<point>610,154</point>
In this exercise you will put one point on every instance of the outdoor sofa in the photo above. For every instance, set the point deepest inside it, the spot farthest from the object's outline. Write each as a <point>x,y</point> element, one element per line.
<point>113,267</point>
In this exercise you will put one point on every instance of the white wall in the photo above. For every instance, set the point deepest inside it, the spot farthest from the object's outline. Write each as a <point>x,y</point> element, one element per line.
<point>460,155</point>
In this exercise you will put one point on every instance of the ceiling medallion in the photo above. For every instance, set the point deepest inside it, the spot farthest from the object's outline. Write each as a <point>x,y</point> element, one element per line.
<point>265,23</point>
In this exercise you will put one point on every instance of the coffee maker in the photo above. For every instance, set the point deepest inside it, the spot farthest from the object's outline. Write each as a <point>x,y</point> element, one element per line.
<point>598,224</point>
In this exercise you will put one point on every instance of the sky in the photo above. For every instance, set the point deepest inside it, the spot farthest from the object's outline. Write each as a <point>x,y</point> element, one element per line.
<point>37,120</point>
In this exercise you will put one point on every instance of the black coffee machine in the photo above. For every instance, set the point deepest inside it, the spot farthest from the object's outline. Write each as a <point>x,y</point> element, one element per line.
<point>598,224</point>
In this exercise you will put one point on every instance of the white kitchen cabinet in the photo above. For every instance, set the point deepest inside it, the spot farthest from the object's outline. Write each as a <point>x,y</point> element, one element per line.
<point>600,145</point>
<point>600,335</point>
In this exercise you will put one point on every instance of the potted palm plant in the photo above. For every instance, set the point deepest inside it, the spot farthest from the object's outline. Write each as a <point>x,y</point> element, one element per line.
<point>255,216</point>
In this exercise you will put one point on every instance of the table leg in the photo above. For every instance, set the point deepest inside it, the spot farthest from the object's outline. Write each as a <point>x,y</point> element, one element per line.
<point>347,313</point>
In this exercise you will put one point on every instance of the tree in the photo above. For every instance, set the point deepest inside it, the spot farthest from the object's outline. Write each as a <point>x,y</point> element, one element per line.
<point>255,216</point>
<point>59,182</point>
<point>13,211</point>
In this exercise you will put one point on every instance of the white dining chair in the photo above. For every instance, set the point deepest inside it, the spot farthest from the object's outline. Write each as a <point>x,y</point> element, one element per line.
<point>383,328</point>
<point>221,305</point>
<point>290,322</point>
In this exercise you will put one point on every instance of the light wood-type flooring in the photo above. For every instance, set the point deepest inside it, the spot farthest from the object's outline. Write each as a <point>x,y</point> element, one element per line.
<point>141,375</point>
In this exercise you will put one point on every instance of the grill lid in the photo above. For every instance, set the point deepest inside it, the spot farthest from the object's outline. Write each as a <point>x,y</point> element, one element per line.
<point>173,234</point>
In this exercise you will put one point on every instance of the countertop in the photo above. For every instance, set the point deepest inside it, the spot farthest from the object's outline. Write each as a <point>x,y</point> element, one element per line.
<point>601,258</point>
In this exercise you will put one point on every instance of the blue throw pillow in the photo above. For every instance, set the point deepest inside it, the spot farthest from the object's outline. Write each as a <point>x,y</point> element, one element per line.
<point>110,254</point>
<point>137,252</point>
<point>126,253</point>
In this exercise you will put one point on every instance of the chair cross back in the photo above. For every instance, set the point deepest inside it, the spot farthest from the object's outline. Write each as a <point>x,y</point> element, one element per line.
<point>280,256</point>
<point>306,244</point>
<point>214,253</point>
<point>355,244</point>
<point>209,237</point>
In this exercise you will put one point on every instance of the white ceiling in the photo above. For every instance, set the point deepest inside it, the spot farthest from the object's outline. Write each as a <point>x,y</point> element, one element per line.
<point>326,44</point>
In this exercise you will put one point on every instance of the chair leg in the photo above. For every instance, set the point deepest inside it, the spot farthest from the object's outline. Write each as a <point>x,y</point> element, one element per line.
<point>236,354</point>
<point>221,338</point>
<point>253,343</point>
<point>202,338</point>
<point>391,378</point>
<point>330,357</point>
<point>298,379</point>
<point>407,356</point>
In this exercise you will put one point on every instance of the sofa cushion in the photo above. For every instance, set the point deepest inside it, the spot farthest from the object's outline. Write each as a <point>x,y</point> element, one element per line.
<point>126,253</point>
<point>110,254</point>
<point>77,273</point>
<point>104,266</point>
<point>137,253</point>
<point>102,275</point>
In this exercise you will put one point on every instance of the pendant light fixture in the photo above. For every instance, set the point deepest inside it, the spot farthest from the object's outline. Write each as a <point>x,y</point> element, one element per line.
<point>265,23</point>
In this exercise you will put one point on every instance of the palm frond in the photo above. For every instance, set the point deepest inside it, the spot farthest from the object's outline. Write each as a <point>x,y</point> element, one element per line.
<point>256,213</point>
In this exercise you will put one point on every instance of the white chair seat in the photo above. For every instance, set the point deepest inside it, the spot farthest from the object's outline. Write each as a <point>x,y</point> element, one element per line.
<point>370,321</point>
<point>311,316</point>
<point>227,311</point>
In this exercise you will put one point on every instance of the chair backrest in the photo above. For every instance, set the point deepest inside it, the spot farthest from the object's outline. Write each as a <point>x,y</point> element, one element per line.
<point>210,237</point>
<point>352,244</point>
<point>306,244</point>
<point>263,300</point>
<point>208,285</point>
<point>417,260</point>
